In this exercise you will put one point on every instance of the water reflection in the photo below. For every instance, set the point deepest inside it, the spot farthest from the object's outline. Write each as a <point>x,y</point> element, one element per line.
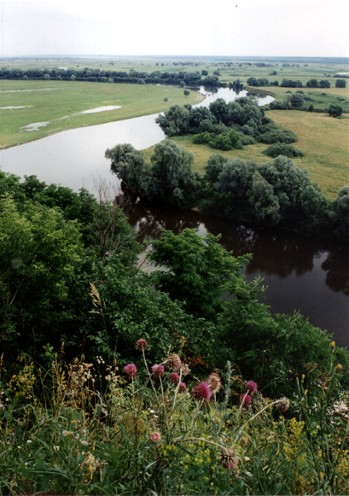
<point>337,270</point>
<point>303,275</point>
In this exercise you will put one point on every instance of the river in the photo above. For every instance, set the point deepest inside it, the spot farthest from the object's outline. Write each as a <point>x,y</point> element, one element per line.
<point>300,275</point>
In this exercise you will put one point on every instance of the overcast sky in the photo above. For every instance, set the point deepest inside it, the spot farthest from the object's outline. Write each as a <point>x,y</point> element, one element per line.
<point>177,27</point>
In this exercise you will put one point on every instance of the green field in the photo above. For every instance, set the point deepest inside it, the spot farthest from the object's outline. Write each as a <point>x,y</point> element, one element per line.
<point>60,103</point>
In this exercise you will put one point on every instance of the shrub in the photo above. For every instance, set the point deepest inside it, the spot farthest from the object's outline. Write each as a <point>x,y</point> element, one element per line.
<point>278,136</point>
<point>335,110</point>
<point>283,149</point>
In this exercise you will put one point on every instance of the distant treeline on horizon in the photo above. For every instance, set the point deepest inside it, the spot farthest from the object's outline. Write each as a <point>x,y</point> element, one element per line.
<point>225,58</point>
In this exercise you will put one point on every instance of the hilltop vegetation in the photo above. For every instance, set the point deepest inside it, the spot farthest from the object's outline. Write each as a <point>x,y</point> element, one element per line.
<point>79,413</point>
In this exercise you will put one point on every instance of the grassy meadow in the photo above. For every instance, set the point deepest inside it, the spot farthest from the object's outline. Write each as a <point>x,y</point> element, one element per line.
<point>323,140</point>
<point>60,103</point>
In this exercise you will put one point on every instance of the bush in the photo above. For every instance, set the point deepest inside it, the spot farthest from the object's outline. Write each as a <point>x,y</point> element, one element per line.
<point>335,110</point>
<point>283,149</point>
<point>278,136</point>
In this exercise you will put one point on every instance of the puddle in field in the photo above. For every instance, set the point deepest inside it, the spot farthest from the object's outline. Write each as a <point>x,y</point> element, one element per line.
<point>27,90</point>
<point>34,126</point>
<point>100,109</point>
<point>14,107</point>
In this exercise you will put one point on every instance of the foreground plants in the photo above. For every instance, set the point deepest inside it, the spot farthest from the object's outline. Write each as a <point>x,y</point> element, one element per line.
<point>136,428</point>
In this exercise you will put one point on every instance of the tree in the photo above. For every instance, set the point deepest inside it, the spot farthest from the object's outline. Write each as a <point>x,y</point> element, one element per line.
<point>335,110</point>
<point>341,83</point>
<point>296,100</point>
<point>40,256</point>
<point>198,271</point>
<point>129,165</point>
<point>340,221</point>
<point>175,121</point>
<point>172,180</point>
<point>263,201</point>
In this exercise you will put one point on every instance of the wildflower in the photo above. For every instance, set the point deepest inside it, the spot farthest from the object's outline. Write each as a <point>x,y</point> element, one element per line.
<point>185,369</point>
<point>282,405</point>
<point>174,362</point>
<point>182,387</point>
<point>245,399</point>
<point>339,367</point>
<point>251,386</point>
<point>229,459</point>
<point>158,370</point>
<point>174,378</point>
<point>155,437</point>
<point>130,370</point>
<point>214,382</point>
<point>67,433</point>
<point>141,344</point>
<point>333,344</point>
<point>202,391</point>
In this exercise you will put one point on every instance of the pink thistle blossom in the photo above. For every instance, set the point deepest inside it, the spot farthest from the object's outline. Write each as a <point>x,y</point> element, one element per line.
<point>155,437</point>
<point>251,386</point>
<point>174,378</point>
<point>141,344</point>
<point>245,399</point>
<point>130,370</point>
<point>202,391</point>
<point>158,370</point>
<point>182,387</point>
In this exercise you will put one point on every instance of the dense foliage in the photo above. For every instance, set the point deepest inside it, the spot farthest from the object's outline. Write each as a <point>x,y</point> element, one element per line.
<point>79,413</point>
<point>76,280</point>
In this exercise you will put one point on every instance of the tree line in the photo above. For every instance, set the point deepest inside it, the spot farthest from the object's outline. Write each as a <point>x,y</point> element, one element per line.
<point>276,195</point>
<point>182,78</point>
<point>290,83</point>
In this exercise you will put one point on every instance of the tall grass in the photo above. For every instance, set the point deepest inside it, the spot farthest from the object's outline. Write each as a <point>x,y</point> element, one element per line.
<point>97,428</point>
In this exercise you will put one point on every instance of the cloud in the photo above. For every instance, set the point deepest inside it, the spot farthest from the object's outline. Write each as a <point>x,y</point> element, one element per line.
<point>140,27</point>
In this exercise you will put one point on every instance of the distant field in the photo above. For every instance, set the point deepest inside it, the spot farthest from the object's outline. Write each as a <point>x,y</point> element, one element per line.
<point>57,105</point>
<point>323,139</point>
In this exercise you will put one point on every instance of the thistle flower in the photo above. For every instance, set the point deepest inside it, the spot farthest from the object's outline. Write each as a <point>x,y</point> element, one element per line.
<point>141,344</point>
<point>214,382</point>
<point>185,369</point>
<point>229,460</point>
<point>245,399</point>
<point>182,387</point>
<point>174,378</point>
<point>251,386</point>
<point>282,405</point>
<point>155,437</point>
<point>158,370</point>
<point>130,370</point>
<point>174,362</point>
<point>202,391</point>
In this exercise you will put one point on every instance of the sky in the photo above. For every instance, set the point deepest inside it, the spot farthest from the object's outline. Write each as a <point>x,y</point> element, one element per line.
<point>314,28</point>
